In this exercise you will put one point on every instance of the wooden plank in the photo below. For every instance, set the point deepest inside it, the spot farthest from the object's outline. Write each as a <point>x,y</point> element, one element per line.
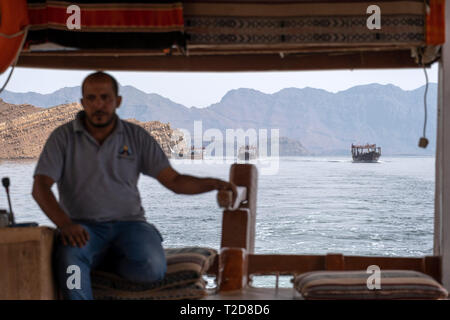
<point>437,234</point>
<point>20,270</point>
<point>442,209</point>
<point>334,262</point>
<point>233,266</point>
<point>235,229</point>
<point>214,268</point>
<point>387,263</point>
<point>48,287</point>
<point>284,264</point>
<point>285,49</point>
<point>432,266</point>
<point>252,293</point>
<point>296,264</point>
<point>224,63</point>
<point>17,271</point>
<point>247,175</point>
<point>309,8</point>
<point>17,235</point>
<point>26,265</point>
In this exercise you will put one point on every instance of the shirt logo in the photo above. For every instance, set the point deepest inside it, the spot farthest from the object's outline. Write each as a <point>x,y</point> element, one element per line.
<point>125,151</point>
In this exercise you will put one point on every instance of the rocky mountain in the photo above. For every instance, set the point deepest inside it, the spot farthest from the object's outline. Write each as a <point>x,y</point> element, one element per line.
<point>25,128</point>
<point>290,147</point>
<point>323,122</point>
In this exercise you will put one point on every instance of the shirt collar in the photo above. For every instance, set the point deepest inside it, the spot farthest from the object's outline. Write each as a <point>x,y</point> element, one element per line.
<point>78,125</point>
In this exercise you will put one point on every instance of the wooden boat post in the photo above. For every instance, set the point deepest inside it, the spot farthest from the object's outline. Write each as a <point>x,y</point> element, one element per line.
<point>442,190</point>
<point>238,231</point>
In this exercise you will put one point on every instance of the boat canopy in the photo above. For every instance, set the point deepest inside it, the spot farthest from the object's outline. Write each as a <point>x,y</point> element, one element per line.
<point>247,35</point>
<point>366,146</point>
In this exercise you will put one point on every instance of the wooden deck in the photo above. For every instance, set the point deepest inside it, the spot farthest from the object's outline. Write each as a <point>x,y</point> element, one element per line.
<point>253,293</point>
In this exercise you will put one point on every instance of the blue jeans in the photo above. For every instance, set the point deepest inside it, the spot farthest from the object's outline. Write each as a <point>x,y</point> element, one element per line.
<point>130,249</point>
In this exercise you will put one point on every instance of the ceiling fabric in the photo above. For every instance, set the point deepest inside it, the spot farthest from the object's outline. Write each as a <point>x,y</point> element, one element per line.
<point>218,35</point>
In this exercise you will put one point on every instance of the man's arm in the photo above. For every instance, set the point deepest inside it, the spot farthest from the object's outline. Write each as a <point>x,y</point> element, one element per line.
<point>71,232</point>
<point>185,184</point>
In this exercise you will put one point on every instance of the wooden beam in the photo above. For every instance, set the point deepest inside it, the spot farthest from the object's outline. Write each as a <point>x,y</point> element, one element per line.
<point>222,63</point>
<point>442,199</point>
<point>18,235</point>
<point>233,266</point>
<point>246,175</point>
<point>361,262</point>
<point>235,229</point>
<point>284,264</point>
<point>26,269</point>
<point>334,262</point>
<point>214,267</point>
<point>432,266</point>
<point>296,264</point>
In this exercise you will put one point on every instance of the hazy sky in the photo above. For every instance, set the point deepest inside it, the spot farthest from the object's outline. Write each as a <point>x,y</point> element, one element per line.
<point>203,89</point>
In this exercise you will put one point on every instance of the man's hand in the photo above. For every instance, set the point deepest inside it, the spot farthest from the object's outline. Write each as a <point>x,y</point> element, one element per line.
<point>223,185</point>
<point>74,234</point>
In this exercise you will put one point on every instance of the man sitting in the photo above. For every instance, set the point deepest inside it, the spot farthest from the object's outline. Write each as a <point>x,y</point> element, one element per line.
<point>96,161</point>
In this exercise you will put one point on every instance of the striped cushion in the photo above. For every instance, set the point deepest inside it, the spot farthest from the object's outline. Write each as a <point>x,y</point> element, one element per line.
<point>183,279</point>
<point>394,284</point>
<point>194,290</point>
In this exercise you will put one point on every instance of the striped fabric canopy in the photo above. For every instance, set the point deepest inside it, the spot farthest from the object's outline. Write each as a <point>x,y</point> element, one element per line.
<point>232,35</point>
<point>136,24</point>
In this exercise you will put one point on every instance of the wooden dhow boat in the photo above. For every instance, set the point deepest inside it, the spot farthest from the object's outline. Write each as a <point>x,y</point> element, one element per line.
<point>366,153</point>
<point>247,153</point>
<point>190,36</point>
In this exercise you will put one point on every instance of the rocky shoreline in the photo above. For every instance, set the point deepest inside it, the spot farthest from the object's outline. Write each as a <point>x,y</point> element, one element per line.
<point>25,128</point>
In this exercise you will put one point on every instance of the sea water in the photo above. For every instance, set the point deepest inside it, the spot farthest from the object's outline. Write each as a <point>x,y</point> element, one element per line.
<point>311,205</point>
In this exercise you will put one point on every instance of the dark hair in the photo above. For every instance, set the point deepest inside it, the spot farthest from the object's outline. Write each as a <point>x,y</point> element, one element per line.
<point>99,75</point>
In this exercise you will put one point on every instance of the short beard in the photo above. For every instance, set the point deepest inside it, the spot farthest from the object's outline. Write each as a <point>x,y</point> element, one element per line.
<point>102,125</point>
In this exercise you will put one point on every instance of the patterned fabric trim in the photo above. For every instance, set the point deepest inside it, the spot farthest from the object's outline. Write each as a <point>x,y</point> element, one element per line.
<point>106,280</point>
<point>395,284</point>
<point>185,266</point>
<point>303,23</point>
<point>191,291</point>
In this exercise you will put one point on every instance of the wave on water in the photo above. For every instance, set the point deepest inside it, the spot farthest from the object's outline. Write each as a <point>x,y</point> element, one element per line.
<point>301,159</point>
<point>340,161</point>
<point>315,201</point>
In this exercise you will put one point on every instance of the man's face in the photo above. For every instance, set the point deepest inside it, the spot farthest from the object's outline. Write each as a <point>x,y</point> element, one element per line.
<point>100,102</point>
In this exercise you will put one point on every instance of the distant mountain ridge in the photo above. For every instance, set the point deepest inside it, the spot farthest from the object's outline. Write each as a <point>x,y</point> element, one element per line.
<point>324,122</point>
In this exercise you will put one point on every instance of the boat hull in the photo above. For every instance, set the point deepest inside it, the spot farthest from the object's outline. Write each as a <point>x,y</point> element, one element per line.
<point>369,157</point>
